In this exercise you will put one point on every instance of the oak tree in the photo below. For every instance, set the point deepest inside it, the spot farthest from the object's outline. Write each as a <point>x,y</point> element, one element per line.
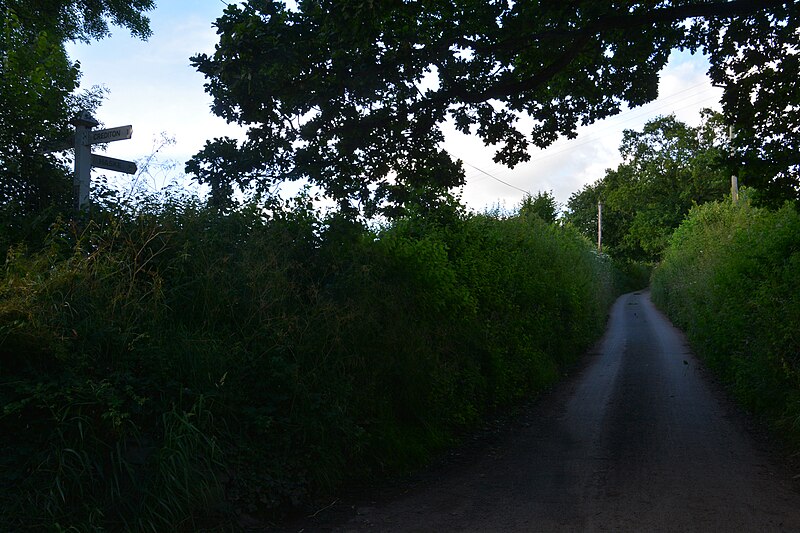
<point>756,59</point>
<point>352,94</point>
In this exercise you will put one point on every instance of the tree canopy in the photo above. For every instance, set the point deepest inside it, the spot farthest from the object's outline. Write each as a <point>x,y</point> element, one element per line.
<point>352,95</point>
<point>667,168</point>
<point>83,20</point>
<point>758,64</point>
<point>543,205</point>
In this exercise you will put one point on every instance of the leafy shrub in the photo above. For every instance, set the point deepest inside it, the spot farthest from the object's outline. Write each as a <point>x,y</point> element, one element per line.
<point>163,368</point>
<point>731,280</point>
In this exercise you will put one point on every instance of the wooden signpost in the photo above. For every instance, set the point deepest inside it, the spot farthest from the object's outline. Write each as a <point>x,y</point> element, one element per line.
<point>85,159</point>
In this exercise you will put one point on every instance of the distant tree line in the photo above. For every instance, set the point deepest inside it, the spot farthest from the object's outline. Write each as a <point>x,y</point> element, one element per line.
<point>667,168</point>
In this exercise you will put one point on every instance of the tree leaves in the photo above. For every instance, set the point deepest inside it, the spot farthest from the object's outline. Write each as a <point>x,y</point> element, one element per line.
<point>667,168</point>
<point>352,95</point>
<point>83,20</point>
<point>757,64</point>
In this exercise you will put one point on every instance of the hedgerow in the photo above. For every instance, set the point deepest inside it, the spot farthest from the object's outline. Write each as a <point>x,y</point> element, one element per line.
<point>731,279</point>
<point>172,368</point>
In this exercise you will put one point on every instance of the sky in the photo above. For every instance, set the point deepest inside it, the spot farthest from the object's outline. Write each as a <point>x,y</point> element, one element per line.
<point>151,85</point>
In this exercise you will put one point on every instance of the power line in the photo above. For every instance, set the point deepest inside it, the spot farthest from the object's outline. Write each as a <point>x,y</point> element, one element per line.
<point>571,145</point>
<point>627,117</point>
<point>496,178</point>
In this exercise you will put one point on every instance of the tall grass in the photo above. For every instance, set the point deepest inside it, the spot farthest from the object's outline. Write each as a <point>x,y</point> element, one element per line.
<point>731,280</point>
<point>167,369</point>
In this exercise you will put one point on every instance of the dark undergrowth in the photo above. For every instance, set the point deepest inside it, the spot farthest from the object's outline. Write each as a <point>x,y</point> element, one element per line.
<point>731,280</point>
<point>175,369</point>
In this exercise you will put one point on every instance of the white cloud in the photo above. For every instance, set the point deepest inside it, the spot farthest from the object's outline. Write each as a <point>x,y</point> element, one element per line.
<point>569,165</point>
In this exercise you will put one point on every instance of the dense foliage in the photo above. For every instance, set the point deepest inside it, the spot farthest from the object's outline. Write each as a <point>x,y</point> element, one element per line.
<point>757,63</point>
<point>543,205</point>
<point>731,279</point>
<point>165,369</point>
<point>667,168</point>
<point>351,95</point>
<point>172,366</point>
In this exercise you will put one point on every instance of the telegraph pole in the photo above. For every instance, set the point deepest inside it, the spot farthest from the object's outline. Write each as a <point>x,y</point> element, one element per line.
<point>734,179</point>
<point>600,226</point>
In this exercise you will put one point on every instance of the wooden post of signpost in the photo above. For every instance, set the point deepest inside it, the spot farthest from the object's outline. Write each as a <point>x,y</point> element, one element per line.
<point>83,158</point>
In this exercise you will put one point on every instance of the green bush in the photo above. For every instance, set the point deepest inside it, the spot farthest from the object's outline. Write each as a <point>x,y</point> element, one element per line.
<point>731,280</point>
<point>164,369</point>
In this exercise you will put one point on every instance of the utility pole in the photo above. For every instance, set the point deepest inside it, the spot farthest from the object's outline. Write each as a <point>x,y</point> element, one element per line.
<point>600,226</point>
<point>734,179</point>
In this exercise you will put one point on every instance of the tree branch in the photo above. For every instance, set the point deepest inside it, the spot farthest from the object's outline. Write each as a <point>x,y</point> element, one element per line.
<point>579,38</point>
<point>629,21</point>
